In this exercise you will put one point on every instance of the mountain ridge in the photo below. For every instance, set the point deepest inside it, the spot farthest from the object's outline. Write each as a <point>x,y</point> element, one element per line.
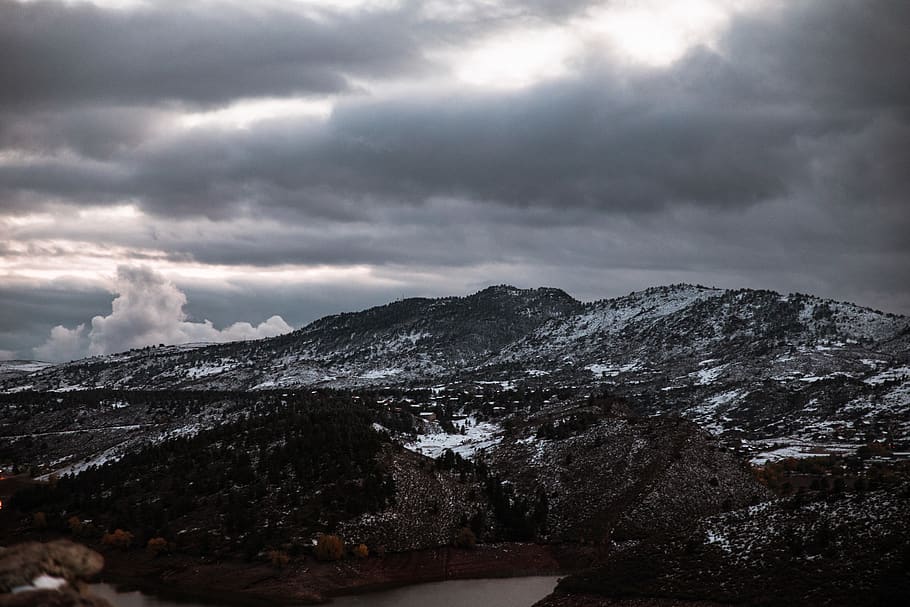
<point>750,364</point>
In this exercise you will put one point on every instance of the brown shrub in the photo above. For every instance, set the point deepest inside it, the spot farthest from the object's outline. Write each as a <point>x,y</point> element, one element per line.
<point>278,558</point>
<point>465,538</point>
<point>118,539</point>
<point>329,548</point>
<point>157,545</point>
<point>75,524</point>
<point>39,520</point>
<point>361,551</point>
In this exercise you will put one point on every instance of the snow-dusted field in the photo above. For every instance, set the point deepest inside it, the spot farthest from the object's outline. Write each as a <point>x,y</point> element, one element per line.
<point>477,436</point>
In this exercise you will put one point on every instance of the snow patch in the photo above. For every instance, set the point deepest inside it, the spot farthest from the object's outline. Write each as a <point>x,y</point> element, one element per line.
<point>380,373</point>
<point>477,436</point>
<point>605,370</point>
<point>708,376</point>
<point>896,373</point>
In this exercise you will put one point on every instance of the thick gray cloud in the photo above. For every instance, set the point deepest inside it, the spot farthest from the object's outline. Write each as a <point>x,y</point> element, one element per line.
<point>774,158</point>
<point>98,132</point>
<point>53,53</point>
<point>730,128</point>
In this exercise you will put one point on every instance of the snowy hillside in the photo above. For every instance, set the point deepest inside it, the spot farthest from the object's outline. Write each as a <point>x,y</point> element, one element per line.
<point>755,366</point>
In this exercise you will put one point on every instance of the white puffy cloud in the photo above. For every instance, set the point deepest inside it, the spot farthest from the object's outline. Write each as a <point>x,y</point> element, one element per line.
<point>63,344</point>
<point>148,310</point>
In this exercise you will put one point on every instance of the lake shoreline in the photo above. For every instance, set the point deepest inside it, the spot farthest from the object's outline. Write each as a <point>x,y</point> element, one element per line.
<point>306,581</point>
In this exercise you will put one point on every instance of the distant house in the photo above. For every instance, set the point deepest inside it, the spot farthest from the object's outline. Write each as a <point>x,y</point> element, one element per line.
<point>428,416</point>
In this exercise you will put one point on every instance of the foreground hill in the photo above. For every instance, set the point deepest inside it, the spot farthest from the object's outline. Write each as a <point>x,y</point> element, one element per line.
<point>846,549</point>
<point>750,365</point>
<point>289,469</point>
<point>645,510</point>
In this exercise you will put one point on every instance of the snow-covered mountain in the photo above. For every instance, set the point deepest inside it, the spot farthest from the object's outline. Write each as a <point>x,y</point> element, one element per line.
<point>749,364</point>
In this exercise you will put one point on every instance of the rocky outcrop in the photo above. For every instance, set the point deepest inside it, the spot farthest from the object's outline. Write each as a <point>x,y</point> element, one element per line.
<point>622,477</point>
<point>48,574</point>
<point>429,509</point>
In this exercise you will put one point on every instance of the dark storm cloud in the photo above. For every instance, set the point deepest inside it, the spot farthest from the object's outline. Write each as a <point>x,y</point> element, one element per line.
<point>727,129</point>
<point>578,142</point>
<point>785,98</point>
<point>838,53</point>
<point>97,132</point>
<point>53,53</point>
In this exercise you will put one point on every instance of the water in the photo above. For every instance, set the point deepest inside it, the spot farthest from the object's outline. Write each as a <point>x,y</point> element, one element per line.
<point>505,592</point>
<point>500,592</point>
<point>136,599</point>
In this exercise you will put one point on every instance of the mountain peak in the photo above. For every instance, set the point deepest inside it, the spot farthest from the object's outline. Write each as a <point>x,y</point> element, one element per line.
<point>513,291</point>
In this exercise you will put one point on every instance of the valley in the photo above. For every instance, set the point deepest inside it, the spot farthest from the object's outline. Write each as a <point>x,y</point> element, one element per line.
<point>679,430</point>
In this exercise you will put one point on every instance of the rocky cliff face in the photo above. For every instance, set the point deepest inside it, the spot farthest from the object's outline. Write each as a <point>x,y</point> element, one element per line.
<point>614,476</point>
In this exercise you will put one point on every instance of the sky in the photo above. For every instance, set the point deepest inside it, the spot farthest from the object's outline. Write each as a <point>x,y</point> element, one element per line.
<point>176,172</point>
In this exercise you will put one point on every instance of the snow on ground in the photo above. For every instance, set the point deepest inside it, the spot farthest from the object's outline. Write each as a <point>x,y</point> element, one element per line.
<point>23,366</point>
<point>706,414</point>
<point>477,436</point>
<point>604,370</point>
<point>873,362</point>
<point>814,378</point>
<point>21,388</point>
<point>537,447</point>
<point>889,375</point>
<point>380,373</point>
<point>188,430</point>
<point>210,369</point>
<point>782,448</point>
<point>715,536</point>
<point>71,388</point>
<point>413,337</point>
<point>760,459</point>
<point>77,431</point>
<point>724,398</point>
<point>708,376</point>
<point>108,455</point>
<point>505,384</point>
